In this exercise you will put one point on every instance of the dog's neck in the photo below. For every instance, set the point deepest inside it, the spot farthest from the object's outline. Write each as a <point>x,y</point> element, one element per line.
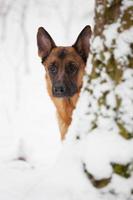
<point>65,109</point>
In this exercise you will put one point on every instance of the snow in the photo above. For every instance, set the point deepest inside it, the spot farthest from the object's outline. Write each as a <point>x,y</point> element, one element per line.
<point>28,125</point>
<point>123,48</point>
<point>110,33</point>
<point>26,111</point>
<point>109,3</point>
<point>34,164</point>
<point>111,100</point>
<point>125,90</point>
<point>97,45</point>
<point>100,160</point>
<point>126,4</point>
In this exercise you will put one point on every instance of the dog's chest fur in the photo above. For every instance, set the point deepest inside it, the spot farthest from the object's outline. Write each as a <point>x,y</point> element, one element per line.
<point>64,113</point>
<point>64,107</point>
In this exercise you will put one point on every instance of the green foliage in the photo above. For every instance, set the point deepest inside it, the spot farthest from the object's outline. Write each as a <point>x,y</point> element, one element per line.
<point>118,103</point>
<point>123,132</point>
<point>96,63</point>
<point>102,99</point>
<point>122,170</point>
<point>130,59</point>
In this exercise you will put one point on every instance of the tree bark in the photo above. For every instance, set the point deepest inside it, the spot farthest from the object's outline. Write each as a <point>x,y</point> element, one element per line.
<point>112,58</point>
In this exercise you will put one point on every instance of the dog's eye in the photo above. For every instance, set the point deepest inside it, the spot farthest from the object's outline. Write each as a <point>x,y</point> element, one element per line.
<point>71,68</point>
<point>53,69</point>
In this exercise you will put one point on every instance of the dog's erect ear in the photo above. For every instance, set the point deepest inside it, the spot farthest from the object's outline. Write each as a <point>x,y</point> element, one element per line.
<point>44,42</point>
<point>82,44</point>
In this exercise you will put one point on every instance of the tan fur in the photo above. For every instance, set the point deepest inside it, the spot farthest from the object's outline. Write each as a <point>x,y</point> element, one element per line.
<point>65,106</point>
<point>62,78</point>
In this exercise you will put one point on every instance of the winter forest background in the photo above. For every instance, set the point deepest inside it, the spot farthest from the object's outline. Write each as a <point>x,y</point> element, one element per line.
<point>96,160</point>
<point>26,113</point>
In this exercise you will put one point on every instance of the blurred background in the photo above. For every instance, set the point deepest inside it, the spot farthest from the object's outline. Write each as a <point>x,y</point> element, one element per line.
<point>28,126</point>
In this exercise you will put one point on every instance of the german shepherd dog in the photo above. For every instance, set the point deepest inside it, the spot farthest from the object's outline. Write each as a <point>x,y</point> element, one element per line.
<point>65,67</point>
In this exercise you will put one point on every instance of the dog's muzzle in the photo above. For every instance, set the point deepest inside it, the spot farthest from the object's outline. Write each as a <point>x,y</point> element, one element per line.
<point>61,90</point>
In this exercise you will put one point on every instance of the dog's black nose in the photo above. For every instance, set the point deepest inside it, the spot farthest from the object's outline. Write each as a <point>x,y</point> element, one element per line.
<point>59,90</point>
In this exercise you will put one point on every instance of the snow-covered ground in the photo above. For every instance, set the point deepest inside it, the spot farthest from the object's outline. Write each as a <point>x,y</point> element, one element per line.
<point>28,126</point>
<point>34,164</point>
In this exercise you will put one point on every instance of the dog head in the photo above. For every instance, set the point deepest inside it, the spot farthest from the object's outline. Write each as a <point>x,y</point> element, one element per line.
<point>64,66</point>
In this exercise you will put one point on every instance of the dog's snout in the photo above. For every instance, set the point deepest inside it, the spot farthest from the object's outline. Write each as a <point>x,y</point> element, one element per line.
<point>59,90</point>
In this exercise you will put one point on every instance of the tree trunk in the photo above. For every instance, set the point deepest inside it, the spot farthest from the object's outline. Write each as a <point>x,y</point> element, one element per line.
<point>104,116</point>
<point>110,87</point>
